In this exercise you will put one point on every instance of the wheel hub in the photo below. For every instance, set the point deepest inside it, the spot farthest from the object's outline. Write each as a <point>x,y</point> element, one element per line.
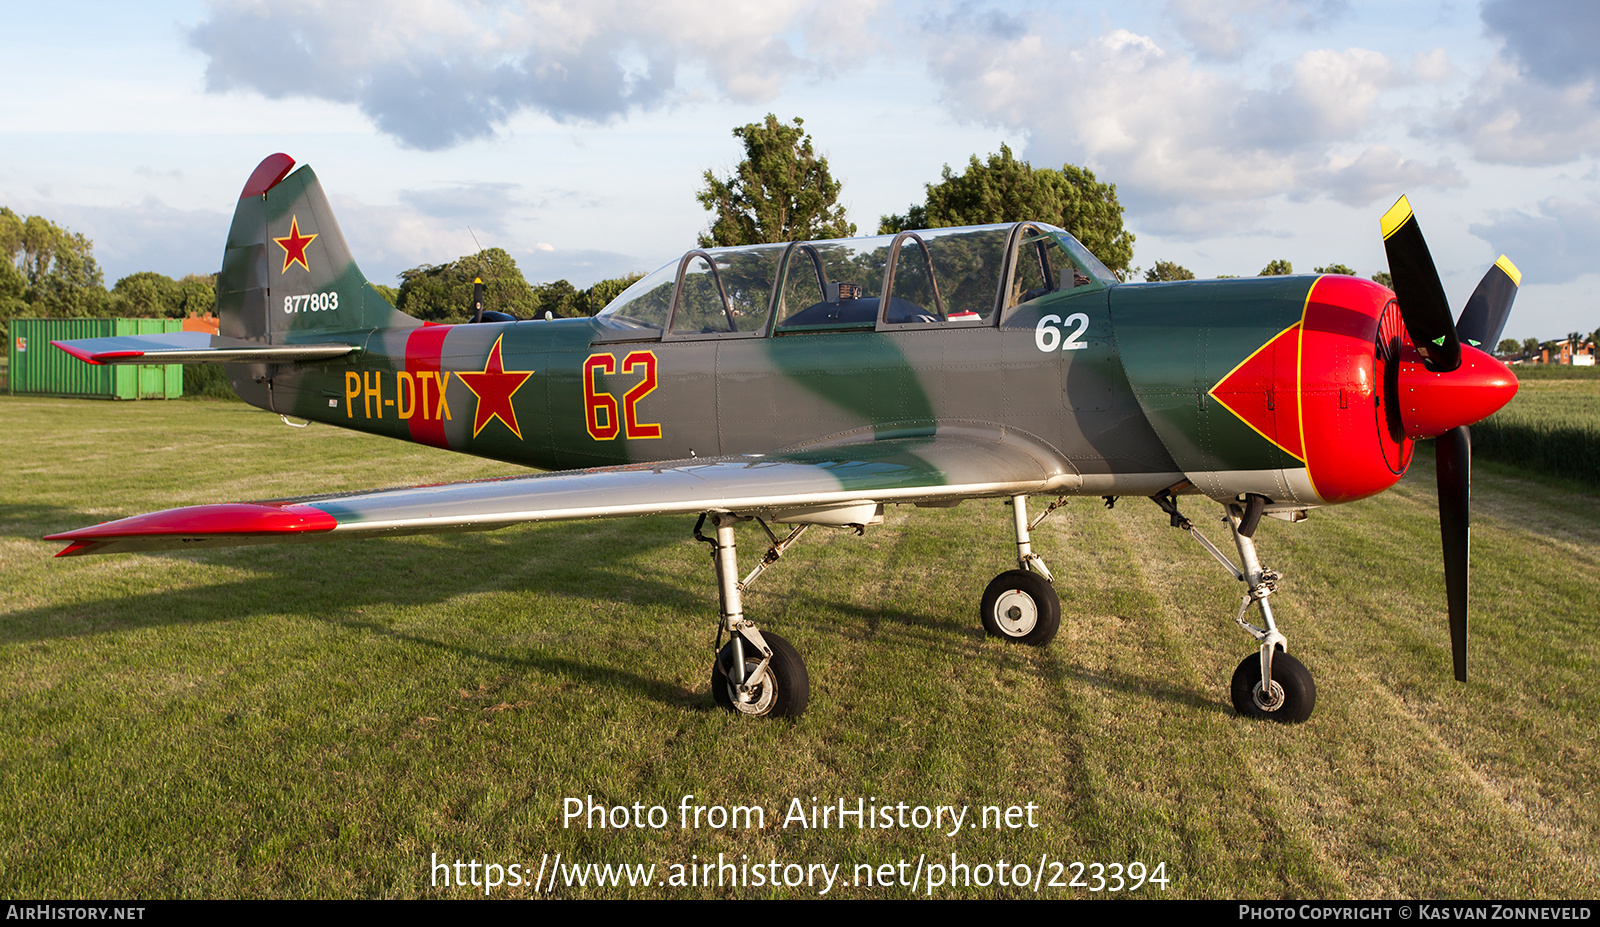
<point>1269,700</point>
<point>1016,613</point>
<point>757,701</point>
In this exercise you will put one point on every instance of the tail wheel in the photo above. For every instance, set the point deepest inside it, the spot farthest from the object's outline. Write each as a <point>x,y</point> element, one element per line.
<point>1288,700</point>
<point>1021,606</point>
<point>782,694</point>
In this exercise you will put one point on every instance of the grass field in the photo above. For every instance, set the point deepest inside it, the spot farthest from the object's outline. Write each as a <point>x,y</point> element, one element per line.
<point>326,720</point>
<point>1552,426</point>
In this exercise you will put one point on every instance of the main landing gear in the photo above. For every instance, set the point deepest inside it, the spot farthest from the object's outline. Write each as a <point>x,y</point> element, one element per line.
<point>754,674</point>
<point>1021,605</point>
<point>1289,694</point>
<point>760,674</point>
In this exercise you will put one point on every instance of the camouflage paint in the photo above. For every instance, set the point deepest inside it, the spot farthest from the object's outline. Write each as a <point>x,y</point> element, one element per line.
<point>1195,377</point>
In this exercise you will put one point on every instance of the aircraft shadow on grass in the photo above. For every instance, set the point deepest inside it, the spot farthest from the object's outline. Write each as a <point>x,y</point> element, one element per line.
<point>282,583</point>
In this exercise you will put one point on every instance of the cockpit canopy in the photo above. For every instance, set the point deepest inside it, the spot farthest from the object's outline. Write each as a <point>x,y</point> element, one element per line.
<point>971,276</point>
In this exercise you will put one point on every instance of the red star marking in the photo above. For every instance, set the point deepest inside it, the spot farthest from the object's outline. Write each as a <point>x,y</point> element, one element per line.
<point>294,245</point>
<point>1262,391</point>
<point>494,388</point>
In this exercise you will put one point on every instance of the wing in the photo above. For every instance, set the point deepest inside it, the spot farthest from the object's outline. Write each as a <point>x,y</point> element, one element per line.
<point>826,483</point>
<point>193,348</point>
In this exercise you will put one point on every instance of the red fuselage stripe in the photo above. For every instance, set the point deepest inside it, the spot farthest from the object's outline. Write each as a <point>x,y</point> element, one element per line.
<point>424,346</point>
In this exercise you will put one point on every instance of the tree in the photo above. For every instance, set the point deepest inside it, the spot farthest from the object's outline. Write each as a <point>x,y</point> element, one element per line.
<point>605,291</point>
<point>1003,189</point>
<point>1382,277</point>
<point>781,191</point>
<point>1530,348</point>
<point>1336,269</point>
<point>1167,270</point>
<point>1276,268</point>
<point>145,295</point>
<point>197,295</point>
<point>13,293</point>
<point>1508,346</point>
<point>443,292</point>
<point>51,271</point>
<point>561,299</point>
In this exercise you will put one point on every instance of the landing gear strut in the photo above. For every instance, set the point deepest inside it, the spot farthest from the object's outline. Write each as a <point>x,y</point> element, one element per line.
<point>1021,605</point>
<point>1289,694</point>
<point>754,674</point>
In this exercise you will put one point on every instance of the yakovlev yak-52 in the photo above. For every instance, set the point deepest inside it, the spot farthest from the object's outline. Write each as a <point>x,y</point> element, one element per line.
<point>815,382</point>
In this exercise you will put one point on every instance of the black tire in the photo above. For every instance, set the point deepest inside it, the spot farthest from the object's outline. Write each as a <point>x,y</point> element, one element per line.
<point>1021,606</point>
<point>1299,691</point>
<point>784,694</point>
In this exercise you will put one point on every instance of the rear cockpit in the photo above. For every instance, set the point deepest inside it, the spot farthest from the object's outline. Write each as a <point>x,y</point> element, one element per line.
<point>969,277</point>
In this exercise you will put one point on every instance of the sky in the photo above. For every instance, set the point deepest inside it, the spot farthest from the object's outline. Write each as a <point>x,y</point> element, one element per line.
<point>575,135</point>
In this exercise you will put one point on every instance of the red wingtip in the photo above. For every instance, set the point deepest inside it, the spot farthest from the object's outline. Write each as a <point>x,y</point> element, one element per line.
<point>94,359</point>
<point>79,353</point>
<point>240,518</point>
<point>273,168</point>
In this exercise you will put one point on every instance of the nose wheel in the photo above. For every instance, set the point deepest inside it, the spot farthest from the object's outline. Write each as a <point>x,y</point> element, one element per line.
<point>1289,698</point>
<point>1288,694</point>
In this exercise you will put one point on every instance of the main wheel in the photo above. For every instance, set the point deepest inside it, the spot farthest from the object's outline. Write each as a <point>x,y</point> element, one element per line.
<point>1023,607</point>
<point>1290,698</point>
<point>783,694</point>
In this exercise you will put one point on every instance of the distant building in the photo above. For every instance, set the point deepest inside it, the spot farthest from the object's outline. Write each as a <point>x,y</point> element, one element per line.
<point>1562,352</point>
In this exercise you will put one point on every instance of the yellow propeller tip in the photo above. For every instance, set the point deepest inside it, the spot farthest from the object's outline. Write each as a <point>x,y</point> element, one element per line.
<point>1396,217</point>
<point>1510,270</point>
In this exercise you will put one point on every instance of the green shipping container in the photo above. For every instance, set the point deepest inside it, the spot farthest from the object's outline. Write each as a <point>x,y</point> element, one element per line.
<point>38,368</point>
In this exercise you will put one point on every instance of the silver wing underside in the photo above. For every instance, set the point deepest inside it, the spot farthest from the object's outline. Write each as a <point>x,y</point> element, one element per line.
<point>823,483</point>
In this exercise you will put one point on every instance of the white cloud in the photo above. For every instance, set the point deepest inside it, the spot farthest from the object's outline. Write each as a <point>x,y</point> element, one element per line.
<point>1554,244</point>
<point>1553,40</point>
<point>436,73</point>
<point>1170,131</point>
<point>1380,173</point>
<point>487,206</point>
<point>1509,119</point>
<point>1223,30</point>
<point>1539,101</point>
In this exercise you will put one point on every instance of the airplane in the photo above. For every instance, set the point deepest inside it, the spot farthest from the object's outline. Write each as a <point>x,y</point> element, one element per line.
<point>816,382</point>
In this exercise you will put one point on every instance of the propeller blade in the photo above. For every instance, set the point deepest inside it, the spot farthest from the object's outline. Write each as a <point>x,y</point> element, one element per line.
<point>1423,306</point>
<point>1484,319</point>
<point>1454,460</point>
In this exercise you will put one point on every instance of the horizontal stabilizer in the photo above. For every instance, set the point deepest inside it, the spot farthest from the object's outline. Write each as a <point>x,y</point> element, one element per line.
<point>194,348</point>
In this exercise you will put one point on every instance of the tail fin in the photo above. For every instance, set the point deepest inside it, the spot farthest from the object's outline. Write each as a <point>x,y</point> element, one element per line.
<point>287,275</point>
<point>288,292</point>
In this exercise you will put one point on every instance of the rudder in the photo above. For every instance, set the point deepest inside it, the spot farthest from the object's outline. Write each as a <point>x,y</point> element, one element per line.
<point>287,274</point>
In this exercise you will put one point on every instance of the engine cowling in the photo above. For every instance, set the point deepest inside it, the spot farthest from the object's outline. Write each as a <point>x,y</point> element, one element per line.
<point>1306,390</point>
